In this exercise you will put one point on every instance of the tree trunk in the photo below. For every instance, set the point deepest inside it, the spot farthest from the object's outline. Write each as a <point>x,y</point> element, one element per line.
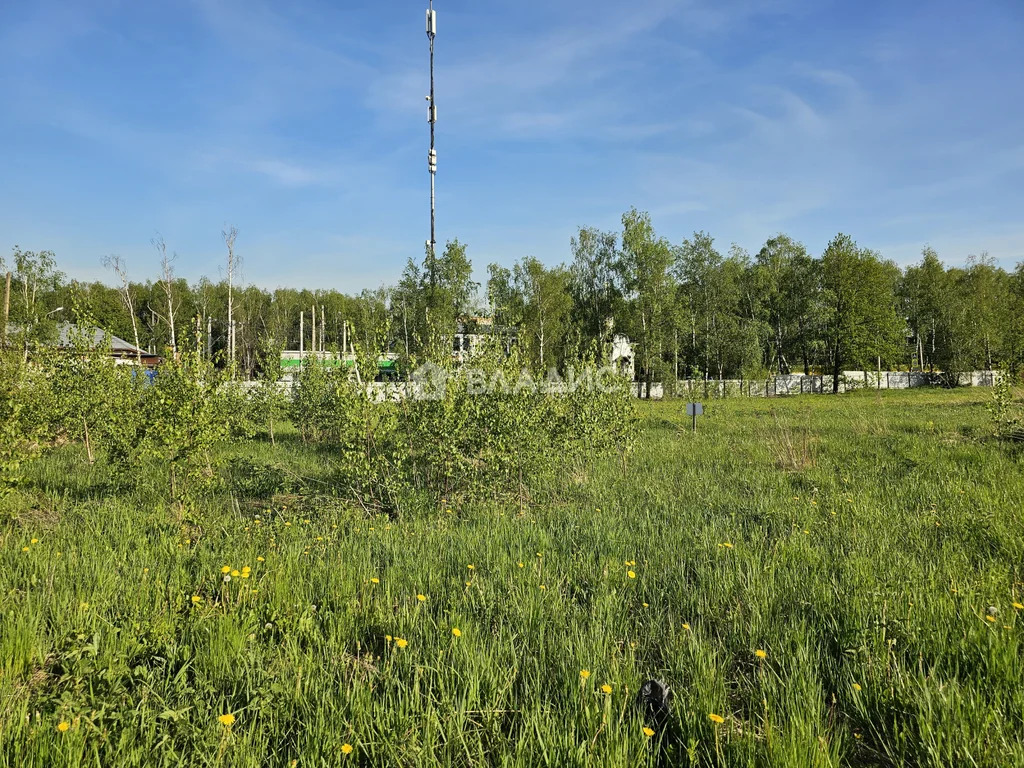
<point>88,444</point>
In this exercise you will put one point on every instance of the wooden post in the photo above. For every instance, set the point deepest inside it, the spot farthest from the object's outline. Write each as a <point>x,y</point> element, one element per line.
<point>312,339</point>
<point>302,334</point>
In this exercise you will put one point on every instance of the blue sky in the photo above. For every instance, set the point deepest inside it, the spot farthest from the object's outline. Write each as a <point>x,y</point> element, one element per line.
<point>303,123</point>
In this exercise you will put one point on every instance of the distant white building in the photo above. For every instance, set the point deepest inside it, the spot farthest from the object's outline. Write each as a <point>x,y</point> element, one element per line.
<point>621,356</point>
<point>471,333</point>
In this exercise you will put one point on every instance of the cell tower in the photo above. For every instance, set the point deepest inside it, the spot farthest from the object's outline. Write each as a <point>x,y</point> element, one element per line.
<point>431,118</point>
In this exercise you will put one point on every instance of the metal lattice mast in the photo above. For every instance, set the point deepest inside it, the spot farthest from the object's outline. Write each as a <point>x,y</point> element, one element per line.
<point>431,118</point>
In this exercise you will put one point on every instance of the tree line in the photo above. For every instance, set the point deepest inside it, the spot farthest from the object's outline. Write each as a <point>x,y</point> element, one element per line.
<point>690,309</point>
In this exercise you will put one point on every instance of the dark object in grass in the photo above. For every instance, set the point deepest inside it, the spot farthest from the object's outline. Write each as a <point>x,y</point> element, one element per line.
<point>653,698</point>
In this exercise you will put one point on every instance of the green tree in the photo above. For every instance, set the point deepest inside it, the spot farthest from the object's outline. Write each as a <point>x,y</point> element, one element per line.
<point>785,280</point>
<point>924,291</point>
<point>643,268</point>
<point>35,280</point>
<point>859,304</point>
<point>546,304</point>
<point>594,281</point>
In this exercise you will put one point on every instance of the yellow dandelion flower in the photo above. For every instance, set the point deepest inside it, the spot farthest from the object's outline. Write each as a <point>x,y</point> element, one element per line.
<point>375,580</point>
<point>542,586</point>
<point>471,566</point>
<point>991,618</point>
<point>1018,606</point>
<point>631,574</point>
<point>761,654</point>
<point>521,565</point>
<point>24,549</point>
<point>646,605</point>
<point>806,532</point>
<point>63,725</point>
<point>259,560</point>
<point>84,606</point>
<point>584,673</point>
<point>346,749</point>
<point>34,541</point>
<point>606,688</point>
<point>726,544</point>
<point>856,686</point>
<point>287,525</point>
<point>648,732</point>
<point>196,599</point>
<point>226,569</point>
<point>401,642</point>
<point>421,598</point>
<point>716,718</point>
<point>387,638</point>
<point>246,574</point>
<point>235,574</point>
<point>457,632</point>
<point>226,719</point>
<point>686,627</point>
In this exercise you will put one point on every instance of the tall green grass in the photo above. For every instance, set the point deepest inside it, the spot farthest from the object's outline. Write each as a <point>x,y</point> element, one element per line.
<point>871,546</point>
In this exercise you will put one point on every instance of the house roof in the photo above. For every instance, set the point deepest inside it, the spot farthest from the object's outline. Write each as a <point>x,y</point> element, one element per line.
<point>66,337</point>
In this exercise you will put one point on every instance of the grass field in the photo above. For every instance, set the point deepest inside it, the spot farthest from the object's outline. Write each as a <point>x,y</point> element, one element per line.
<point>820,581</point>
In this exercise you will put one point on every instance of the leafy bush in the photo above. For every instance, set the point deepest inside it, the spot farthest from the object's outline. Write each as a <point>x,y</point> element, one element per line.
<point>18,443</point>
<point>256,480</point>
<point>1007,416</point>
<point>492,428</point>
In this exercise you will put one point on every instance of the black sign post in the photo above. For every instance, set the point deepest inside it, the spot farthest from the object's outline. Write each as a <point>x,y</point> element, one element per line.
<point>694,410</point>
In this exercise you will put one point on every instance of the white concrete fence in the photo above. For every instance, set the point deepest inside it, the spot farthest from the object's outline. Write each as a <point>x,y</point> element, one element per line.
<point>799,384</point>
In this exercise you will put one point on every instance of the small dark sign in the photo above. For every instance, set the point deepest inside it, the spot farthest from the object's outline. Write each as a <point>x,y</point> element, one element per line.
<point>694,410</point>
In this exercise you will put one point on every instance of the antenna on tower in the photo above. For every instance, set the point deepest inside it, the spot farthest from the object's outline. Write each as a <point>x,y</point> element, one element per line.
<point>431,118</point>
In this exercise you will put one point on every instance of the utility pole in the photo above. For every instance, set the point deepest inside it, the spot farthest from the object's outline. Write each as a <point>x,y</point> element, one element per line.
<point>431,119</point>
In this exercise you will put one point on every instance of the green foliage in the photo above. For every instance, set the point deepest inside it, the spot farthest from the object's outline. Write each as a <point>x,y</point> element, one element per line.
<point>492,427</point>
<point>183,415</point>
<point>251,479</point>
<point>881,579</point>
<point>684,305</point>
<point>1007,415</point>
<point>859,306</point>
<point>19,434</point>
<point>316,401</point>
